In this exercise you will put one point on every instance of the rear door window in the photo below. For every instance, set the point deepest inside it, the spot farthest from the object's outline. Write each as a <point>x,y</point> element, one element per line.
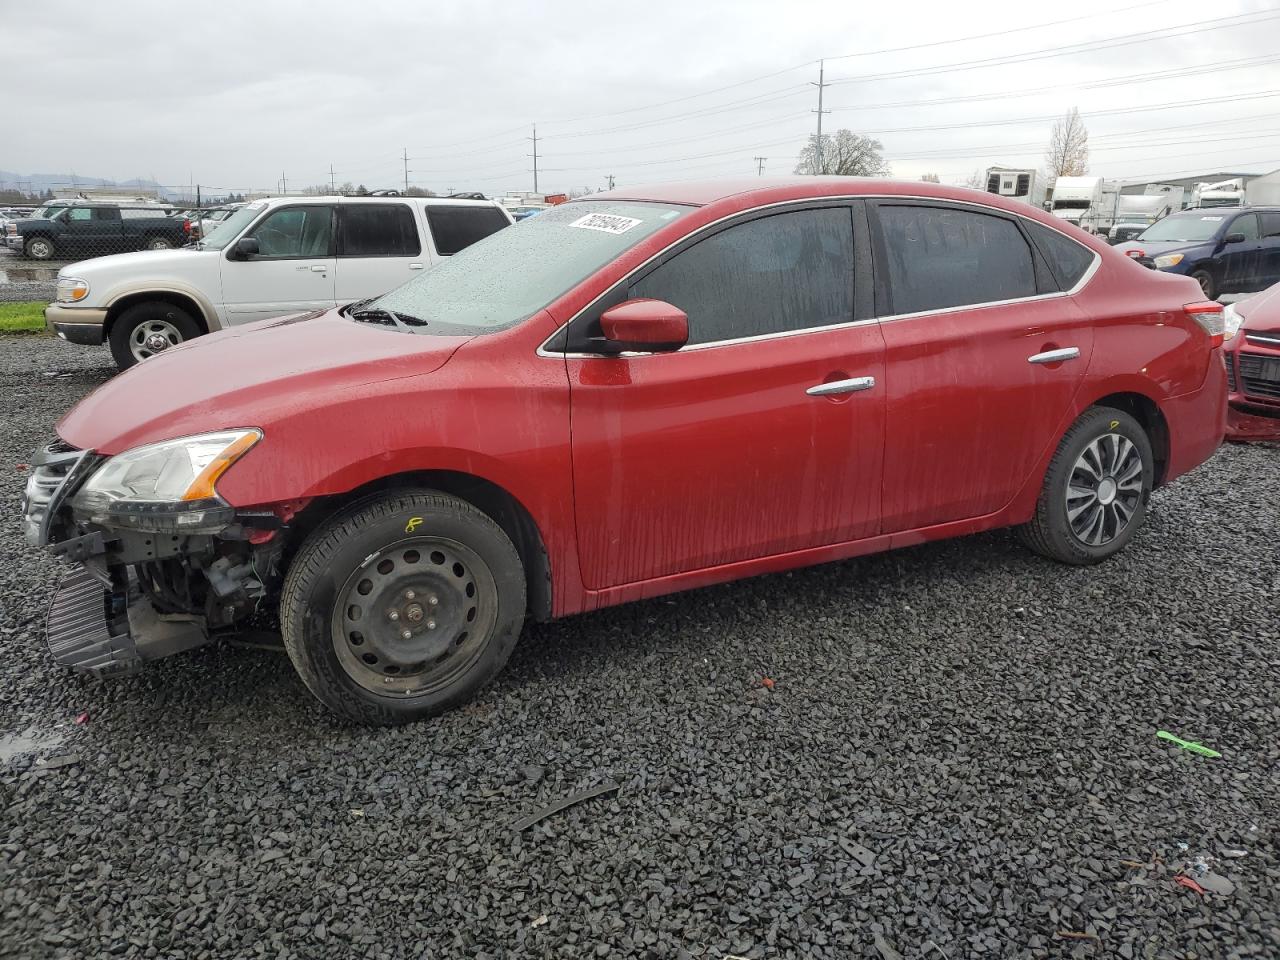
<point>1270,225</point>
<point>455,228</point>
<point>941,257</point>
<point>377,230</point>
<point>776,274</point>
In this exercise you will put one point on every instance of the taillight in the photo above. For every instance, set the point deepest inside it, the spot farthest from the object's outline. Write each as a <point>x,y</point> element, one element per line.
<point>1209,316</point>
<point>186,226</point>
<point>1135,253</point>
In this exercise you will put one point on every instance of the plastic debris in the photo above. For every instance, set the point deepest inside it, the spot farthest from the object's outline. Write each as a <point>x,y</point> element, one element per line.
<point>1234,854</point>
<point>52,763</point>
<point>767,683</point>
<point>82,718</point>
<point>357,812</point>
<point>24,466</point>
<point>542,921</point>
<point>1184,881</point>
<point>886,949</point>
<point>1077,935</point>
<point>1187,744</point>
<point>1216,883</point>
<point>524,823</point>
<point>1133,864</point>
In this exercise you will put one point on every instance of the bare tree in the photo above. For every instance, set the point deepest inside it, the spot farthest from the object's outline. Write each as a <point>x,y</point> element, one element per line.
<point>976,180</point>
<point>1068,151</point>
<point>930,178</point>
<point>847,154</point>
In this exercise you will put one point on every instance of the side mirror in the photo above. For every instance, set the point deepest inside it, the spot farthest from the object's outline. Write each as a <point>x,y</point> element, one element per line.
<point>1233,238</point>
<point>246,247</point>
<point>651,326</point>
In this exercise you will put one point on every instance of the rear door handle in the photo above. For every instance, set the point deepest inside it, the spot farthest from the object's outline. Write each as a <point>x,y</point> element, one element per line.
<point>319,268</point>
<point>415,266</point>
<point>852,385</point>
<point>1055,356</point>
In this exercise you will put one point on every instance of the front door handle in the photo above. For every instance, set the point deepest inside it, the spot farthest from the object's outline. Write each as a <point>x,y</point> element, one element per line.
<point>416,266</point>
<point>852,385</point>
<point>1055,356</point>
<point>319,268</point>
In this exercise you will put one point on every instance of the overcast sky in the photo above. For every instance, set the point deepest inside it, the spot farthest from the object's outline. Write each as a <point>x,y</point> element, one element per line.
<point>234,94</point>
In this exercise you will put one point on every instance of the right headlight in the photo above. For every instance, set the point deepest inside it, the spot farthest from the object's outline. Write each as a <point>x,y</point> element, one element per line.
<point>165,486</point>
<point>72,289</point>
<point>1231,321</point>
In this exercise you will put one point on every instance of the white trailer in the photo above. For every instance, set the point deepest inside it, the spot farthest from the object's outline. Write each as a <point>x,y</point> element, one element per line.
<point>1136,211</point>
<point>1017,184</point>
<point>1088,202</point>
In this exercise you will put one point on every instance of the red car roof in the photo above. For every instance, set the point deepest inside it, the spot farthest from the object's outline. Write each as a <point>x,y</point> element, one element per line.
<point>773,189</point>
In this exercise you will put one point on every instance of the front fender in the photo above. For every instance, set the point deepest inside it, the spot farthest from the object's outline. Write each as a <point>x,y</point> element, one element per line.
<point>132,288</point>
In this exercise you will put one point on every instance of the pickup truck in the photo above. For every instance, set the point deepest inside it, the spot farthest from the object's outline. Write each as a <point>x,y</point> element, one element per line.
<point>284,255</point>
<point>90,229</point>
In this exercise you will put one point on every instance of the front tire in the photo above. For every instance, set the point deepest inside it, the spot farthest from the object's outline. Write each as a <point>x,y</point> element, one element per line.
<point>39,248</point>
<point>1207,284</point>
<point>147,329</point>
<point>402,606</point>
<point>1095,491</point>
<point>159,243</point>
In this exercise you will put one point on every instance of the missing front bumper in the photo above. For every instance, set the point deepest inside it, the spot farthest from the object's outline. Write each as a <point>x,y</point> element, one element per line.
<point>106,633</point>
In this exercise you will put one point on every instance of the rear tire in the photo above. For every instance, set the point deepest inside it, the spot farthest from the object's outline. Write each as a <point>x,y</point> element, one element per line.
<point>1207,285</point>
<point>159,243</point>
<point>146,329</point>
<point>1095,491</point>
<point>402,606</point>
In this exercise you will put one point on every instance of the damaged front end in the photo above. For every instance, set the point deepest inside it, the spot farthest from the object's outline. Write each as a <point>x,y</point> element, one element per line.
<point>163,564</point>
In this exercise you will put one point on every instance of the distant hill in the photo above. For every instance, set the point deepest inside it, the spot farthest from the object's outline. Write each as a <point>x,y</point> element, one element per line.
<point>37,183</point>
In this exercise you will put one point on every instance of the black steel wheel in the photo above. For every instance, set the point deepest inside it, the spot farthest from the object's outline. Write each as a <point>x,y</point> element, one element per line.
<point>402,606</point>
<point>414,616</point>
<point>1094,496</point>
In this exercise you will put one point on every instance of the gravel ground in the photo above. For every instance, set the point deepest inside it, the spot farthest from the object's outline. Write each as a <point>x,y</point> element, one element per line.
<point>957,759</point>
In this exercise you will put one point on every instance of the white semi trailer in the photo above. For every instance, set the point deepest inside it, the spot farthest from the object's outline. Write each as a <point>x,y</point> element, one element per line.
<point>1088,202</point>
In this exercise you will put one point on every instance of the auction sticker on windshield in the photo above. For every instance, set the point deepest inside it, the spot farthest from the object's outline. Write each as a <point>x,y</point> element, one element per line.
<point>606,222</point>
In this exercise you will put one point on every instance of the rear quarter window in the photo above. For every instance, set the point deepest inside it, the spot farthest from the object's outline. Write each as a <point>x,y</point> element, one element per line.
<point>1068,260</point>
<point>941,257</point>
<point>455,228</point>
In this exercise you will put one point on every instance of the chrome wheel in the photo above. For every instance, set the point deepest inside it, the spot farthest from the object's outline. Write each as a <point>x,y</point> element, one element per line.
<point>40,250</point>
<point>1105,489</point>
<point>159,244</point>
<point>414,616</point>
<point>152,337</point>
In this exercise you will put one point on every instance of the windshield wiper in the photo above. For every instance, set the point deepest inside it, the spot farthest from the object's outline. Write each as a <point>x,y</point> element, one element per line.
<point>402,321</point>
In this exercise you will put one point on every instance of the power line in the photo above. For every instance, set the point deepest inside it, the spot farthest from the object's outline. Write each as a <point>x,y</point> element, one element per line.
<point>1199,26</point>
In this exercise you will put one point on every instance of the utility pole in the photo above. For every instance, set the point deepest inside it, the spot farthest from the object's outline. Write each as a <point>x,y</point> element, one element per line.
<point>406,169</point>
<point>284,184</point>
<point>821,85</point>
<point>534,138</point>
<point>333,187</point>
<point>759,165</point>
<point>610,181</point>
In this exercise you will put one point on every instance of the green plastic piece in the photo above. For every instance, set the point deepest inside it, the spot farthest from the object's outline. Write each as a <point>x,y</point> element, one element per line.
<point>1187,744</point>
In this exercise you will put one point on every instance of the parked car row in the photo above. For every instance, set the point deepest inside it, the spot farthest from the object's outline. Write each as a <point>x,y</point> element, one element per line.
<point>623,397</point>
<point>265,259</point>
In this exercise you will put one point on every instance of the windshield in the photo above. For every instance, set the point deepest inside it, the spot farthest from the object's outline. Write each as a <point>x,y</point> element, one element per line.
<point>514,273</point>
<point>228,229</point>
<point>1184,227</point>
<point>1071,204</point>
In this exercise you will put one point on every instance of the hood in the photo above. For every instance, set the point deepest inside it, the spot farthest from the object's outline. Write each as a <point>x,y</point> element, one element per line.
<point>151,261</point>
<point>245,377</point>
<point>1155,248</point>
<point>1261,313</point>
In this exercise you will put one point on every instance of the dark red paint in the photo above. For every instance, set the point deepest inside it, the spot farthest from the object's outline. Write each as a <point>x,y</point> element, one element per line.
<point>1254,414</point>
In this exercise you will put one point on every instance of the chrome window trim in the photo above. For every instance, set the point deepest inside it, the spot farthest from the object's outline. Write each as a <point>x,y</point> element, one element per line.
<point>843,198</point>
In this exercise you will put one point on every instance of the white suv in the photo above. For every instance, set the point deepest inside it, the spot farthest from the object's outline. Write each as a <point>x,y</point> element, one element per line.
<point>270,258</point>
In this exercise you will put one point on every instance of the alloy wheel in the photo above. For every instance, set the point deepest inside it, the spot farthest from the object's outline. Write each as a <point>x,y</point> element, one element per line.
<point>1105,489</point>
<point>414,616</point>
<point>152,337</point>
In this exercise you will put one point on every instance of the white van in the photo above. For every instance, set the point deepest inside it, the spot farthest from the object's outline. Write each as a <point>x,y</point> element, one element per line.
<point>270,258</point>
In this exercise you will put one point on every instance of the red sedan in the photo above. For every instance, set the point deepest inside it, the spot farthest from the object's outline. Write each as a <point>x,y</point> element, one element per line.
<point>625,396</point>
<point>1253,367</point>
